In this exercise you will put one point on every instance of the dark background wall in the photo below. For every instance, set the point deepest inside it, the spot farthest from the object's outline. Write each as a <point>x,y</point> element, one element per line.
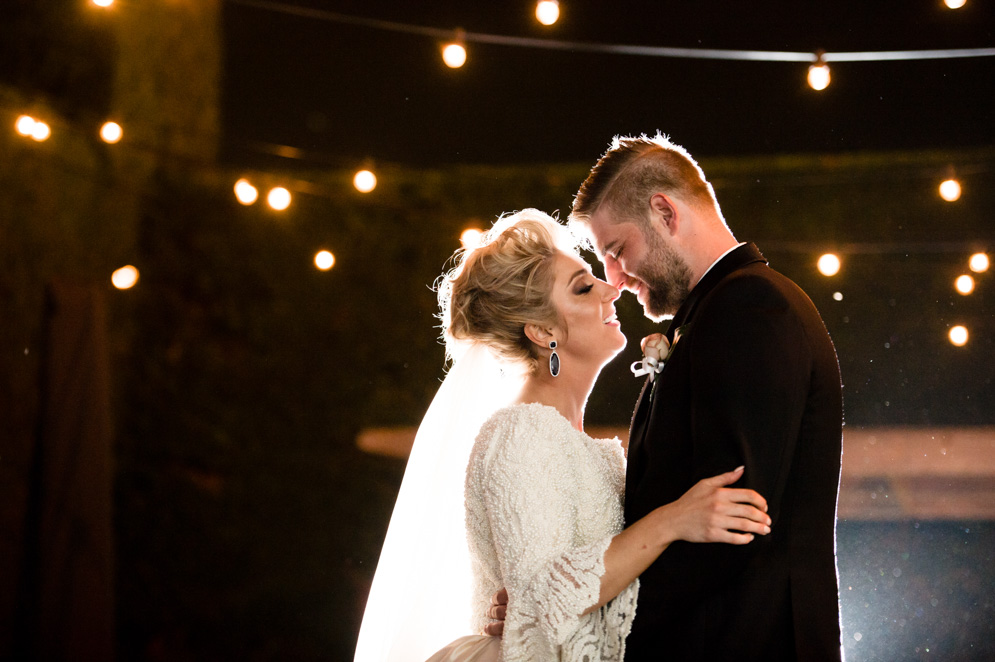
<point>246,523</point>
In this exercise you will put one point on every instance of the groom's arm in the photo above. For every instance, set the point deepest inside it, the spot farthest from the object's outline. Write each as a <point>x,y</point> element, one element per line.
<point>750,375</point>
<point>750,364</point>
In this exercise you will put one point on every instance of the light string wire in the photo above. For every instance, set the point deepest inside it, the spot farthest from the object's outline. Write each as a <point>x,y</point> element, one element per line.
<point>616,49</point>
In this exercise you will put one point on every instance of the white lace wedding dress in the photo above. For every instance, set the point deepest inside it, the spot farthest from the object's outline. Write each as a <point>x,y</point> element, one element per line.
<point>543,501</point>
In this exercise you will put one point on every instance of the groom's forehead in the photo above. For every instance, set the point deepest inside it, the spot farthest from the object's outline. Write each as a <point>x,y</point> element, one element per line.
<point>601,230</point>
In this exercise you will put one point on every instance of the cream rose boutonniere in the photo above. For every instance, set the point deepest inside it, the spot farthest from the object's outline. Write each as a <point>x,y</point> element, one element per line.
<point>655,348</point>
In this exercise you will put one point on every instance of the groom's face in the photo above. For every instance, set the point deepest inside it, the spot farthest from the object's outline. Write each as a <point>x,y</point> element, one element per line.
<point>638,259</point>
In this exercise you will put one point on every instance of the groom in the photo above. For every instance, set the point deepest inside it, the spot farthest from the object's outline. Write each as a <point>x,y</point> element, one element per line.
<point>752,379</point>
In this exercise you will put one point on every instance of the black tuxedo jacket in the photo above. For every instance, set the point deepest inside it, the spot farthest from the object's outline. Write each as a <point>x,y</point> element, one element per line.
<point>753,380</point>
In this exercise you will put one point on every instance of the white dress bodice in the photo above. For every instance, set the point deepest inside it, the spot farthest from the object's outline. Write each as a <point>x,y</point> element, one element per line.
<point>543,502</point>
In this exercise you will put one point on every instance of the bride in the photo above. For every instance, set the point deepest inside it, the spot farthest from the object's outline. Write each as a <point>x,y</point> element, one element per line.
<point>534,505</point>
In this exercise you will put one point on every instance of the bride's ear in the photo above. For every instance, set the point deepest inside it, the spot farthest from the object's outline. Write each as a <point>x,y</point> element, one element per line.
<point>540,335</point>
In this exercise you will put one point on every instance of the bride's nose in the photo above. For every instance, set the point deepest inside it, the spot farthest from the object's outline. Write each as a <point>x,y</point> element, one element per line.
<point>611,292</point>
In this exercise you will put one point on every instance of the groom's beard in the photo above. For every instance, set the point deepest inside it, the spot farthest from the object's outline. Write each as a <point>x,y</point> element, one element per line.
<point>668,277</point>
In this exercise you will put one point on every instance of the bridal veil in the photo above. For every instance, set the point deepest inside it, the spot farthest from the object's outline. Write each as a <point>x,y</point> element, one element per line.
<point>421,593</point>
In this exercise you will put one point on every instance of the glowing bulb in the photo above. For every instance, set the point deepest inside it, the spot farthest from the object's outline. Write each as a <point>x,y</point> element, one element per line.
<point>950,190</point>
<point>40,131</point>
<point>454,55</point>
<point>837,296</point>
<point>364,181</point>
<point>547,11</point>
<point>278,198</point>
<point>978,263</point>
<point>111,132</point>
<point>829,265</point>
<point>245,192</point>
<point>470,238</point>
<point>818,76</point>
<point>125,277</point>
<point>955,4</point>
<point>324,260</point>
<point>958,336</point>
<point>964,284</point>
<point>103,3</point>
<point>25,125</point>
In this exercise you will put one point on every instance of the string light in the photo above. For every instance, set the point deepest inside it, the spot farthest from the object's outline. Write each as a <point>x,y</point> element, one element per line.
<point>978,263</point>
<point>364,181</point>
<point>818,73</point>
<point>245,192</point>
<point>954,4</point>
<point>837,296</point>
<point>829,264</point>
<point>470,238</point>
<point>454,53</point>
<point>547,11</point>
<point>950,190</point>
<point>324,260</point>
<point>103,3</point>
<point>24,125</point>
<point>964,284</point>
<point>278,198</point>
<point>111,132</point>
<point>125,277</point>
<point>40,131</point>
<point>958,335</point>
<point>618,49</point>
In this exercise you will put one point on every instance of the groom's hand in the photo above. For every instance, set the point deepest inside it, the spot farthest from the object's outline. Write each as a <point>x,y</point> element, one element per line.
<point>496,612</point>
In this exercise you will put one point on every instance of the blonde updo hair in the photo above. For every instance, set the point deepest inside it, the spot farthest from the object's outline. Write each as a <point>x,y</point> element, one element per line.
<point>504,283</point>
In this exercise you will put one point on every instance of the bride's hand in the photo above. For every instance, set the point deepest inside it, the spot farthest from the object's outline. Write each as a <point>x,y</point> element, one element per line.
<point>711,512</point>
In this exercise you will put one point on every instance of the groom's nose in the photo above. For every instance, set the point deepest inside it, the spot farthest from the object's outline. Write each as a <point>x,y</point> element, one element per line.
<point>613,273</point>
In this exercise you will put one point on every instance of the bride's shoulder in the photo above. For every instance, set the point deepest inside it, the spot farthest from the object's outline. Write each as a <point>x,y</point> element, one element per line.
<point>524,417</point>
<point>520,425</point>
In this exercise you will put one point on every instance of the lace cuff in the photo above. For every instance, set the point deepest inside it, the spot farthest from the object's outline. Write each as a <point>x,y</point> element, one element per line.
<point>564,588</point>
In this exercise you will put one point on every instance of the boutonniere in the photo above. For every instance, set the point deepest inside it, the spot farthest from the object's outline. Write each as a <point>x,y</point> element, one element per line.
<point>655,348</point>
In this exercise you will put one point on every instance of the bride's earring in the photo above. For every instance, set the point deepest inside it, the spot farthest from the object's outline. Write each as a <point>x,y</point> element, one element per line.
<point>554,360</point>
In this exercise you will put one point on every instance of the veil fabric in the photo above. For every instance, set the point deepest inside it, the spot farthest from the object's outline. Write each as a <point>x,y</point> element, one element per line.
<point>421,594</point>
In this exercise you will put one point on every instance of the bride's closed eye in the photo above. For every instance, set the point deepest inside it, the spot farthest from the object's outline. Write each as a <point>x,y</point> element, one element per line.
<point>585,289</point>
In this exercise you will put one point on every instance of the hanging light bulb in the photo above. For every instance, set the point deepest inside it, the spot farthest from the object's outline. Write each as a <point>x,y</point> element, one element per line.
<point>125,277</point>
<point>829,265</point>
<point>40,131</point>
<point>24,125</point>
<point>111,132</point>
<point>245,192</point>
<point>978,263</point>
<point>470,238</point>
<point>964,284</point>
<point>364,181</point>
<point>547,11</point>
<point>954,4</point>
<point>958,335</point>
<point>950,190</point>
<point>818,73</point>
<point>324,260</point>
<point>454,53</point>
<point>278,198</point>
<point>103,3</point>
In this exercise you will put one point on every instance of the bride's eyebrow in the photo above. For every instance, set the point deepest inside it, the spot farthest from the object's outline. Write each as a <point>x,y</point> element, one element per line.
<point>576,275</point>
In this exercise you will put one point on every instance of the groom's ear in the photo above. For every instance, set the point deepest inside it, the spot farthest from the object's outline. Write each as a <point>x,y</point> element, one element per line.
<point>663,214</point>
<point>540,335</point>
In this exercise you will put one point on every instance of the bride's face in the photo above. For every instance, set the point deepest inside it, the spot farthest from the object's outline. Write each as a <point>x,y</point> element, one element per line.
<point>587,327</point>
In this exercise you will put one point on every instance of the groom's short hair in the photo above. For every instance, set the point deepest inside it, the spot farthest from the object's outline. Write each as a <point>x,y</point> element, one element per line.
<point>631,171</point>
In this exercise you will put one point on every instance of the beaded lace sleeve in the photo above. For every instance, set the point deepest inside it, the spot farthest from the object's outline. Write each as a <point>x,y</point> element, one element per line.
<point>544,502</point>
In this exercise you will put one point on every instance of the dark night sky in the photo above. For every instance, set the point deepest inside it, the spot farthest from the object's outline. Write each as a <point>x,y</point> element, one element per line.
<point>344,93</point>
